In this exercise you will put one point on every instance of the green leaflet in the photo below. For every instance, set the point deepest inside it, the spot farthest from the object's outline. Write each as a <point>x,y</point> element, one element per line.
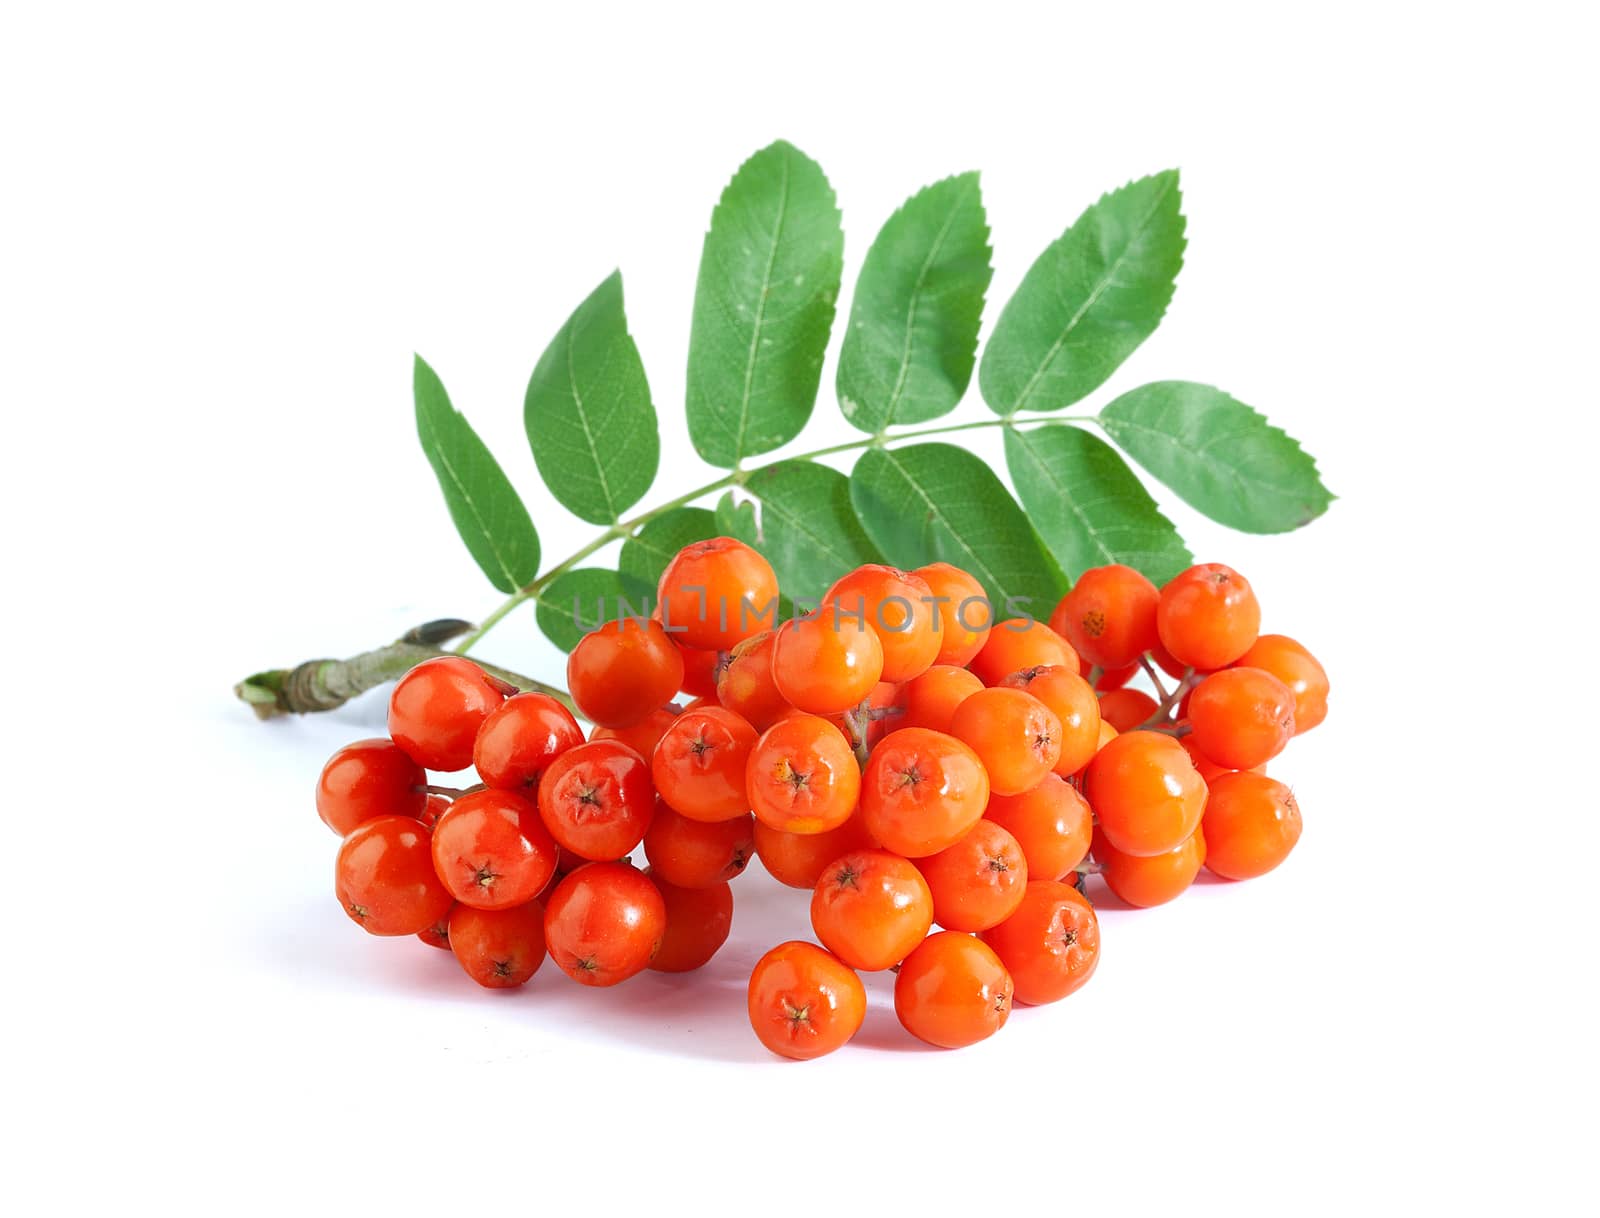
<point>1088,301</point>
<point>1219,455</point>
<point>486,509</point>
<point>809,530</point>
<point>763,306</point>
<point>588,412</point>
<point>584,599</point>
<point>938,503</point>
<point>1089,508</point>
<point>913,335</point>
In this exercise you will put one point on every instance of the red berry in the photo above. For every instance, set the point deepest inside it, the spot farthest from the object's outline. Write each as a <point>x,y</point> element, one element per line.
<point>1242,717</point>
<point>366,779</point>
<point>804,1002</point>
<point>716,593</point>
<point>596,800</point>
<point>519,740</point>
<point>697,854</point>
<point>697,924</point>
<point>1146,793</point>
<point>1208,616</point>
<point>491,851</point>
<point>437,708</point>
<point>385,880</point>
<point>1109,617</point>
<point>699,765</point>
<point>953,991</point>
<point>1051,945</point>
<point>978,882</point>
<point>623,671</point>
<point>498,948</point>
<point>604,923</point>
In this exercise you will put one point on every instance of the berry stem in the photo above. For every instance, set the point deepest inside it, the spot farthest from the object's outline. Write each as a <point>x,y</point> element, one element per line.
<point>1161,716</point>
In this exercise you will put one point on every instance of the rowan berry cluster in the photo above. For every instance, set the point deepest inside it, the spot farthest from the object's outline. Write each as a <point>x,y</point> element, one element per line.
<point>905,758</point>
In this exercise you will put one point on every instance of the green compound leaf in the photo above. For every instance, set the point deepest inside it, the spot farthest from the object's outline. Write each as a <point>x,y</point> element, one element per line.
<point>737,519</point>
<point>763,305</point>
<point>486,509</point>
<point>809,530</point>
<point>913,335</point>
<point>1088,506</point>
<point>938,503</point>
<point>578,601</point>
<point>1219,455</point>
<point>588,412</point>
<point>1091,298</point>
<point>646,554</point>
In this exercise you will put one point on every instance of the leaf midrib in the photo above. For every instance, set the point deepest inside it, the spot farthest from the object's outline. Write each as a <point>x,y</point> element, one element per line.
<point>588,435</point>
<point>1064,493</point>
<point>761,312</point>
<point>916,300</point>
<point>472,506</point>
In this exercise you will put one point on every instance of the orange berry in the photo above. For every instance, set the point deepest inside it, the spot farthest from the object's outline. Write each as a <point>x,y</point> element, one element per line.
<point>899,608</point>
<point>746,687</point>
<point>1051,823</point>
<point>1145,792</point>
<point>1109,617</point>
<point>803,1002</point>
<point>643,736</point>
<point>1251,824</point>
<point>1016,736</point>
<point>1208,616</point>
<point>1242,717</point>
<point>952,991</point>
<point>802,776</point>
<point>697,854</point>
<point>1073,701</point>
<point>1021,643</point>
<point>870,908</point>
<point>716,593</point>
<point>922,791</point>
<point>930,700</point>
<point>965,615</point>
<point>1151,879</point>
<point>698,767</point>
<point>1298,669</point>
<point>977,882</point>
<point>826,663</point>
<point>1050,945</point>
<point>621,672</point>
<point>697,924</point>
<point>1126,709</point>
<point>799,859</point>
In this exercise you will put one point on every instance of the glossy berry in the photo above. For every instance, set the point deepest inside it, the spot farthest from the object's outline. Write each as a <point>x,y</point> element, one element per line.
<point>714,594</point>
<point>1127,709</point>
<point>641,737</point>
<point>1242,717</point>
<point>596,800</point>
<point>745,686</point>
<point>803,1002</point>
<point>1154,879</point>
<point>623,671</point>
<point>930,700</point>
<point>699,765</point>
<point>953,991</point>
<point>1016,736</point>
<point>870,908</point>
<point>802,776</point>
<point>1204,766</point>
<point>1298,669</point>
<point>1051,823</point>
<point>604,923</point>
<point>436,807</point>
<point>384,877</point>
<point>1208,617</point>
<point>1109,617</point>
<point>697,854</point>
<point>366,779</point>
<point>978,882</point>
<point>697,924</point>
<point>1076,708</point>
<point>1051,945</point>
<point>965,615</point>
<point>700,671</point>
<point>491,851</point>
<point>921,791</point>
<point>437,708</point>
<point>1146,792</point>
<point>438,933</point>
<point>519,740</point>
<point>1021,643</point>
<point>799,859</point>
<point>826,663</point>
<point>498,948</point>
<point>1251,824</point>
<point>899,608</point>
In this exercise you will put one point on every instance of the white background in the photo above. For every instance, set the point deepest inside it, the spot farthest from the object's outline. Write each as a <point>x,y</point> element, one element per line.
<point>226,232</point>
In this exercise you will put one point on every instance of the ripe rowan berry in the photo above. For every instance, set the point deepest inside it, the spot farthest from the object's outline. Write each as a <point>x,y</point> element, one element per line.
<point>1207,769</point>
<point>699,765</point>
<point>1242,717</point>
<point>596,800</point>
<point>1251,824</point>
<point>519,740</point>
<point>1051,823</point>
<point>745,686</point>
<point>697,854</point>
<point>953,991</point>
<point>604,923</point>
<point>899,608</point>
<point>370,778</point>
<point>1145,792</point>
<point>1298,669</point>
<point>1107,735</point>
<point>621,672</point>
<point>1051,945</point>
<point>641,737</point>
<point>697,924</point>
<point>1021,643</point>
<point>978,882</point>
<point>438,934</point>
<point>870,908</point>
<point>437,708</point>
<point>384,877</point>
<point>1208,616</point>
<point>498,948</point>
<point>921,791</point>
<point>803,1002</point>
<point>436,807</point>
<point>826,663</point>
<point>1165,660</point>
<point>1075,706</point>
<point>1152,879</point>
<point>799,859</point>
<point>930,700</point>
<point>965,615</point>
<point>1127,709</point>
<point>715,593</point>
<point>802,776</point>
<point>491,851</point>
<point>1109,616</point>
<point>700,671</point>
<point>1016,736</point>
